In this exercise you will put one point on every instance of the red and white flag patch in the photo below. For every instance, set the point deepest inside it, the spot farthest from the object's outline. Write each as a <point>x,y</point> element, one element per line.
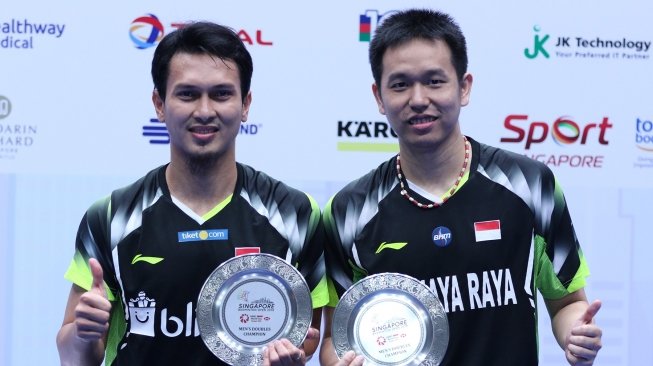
<point>487,230</point>
<point>247,250</point>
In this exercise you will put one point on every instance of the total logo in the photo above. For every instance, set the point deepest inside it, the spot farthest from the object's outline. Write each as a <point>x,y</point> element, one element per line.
<point>563,131</point>
<point>147,31</point>
<point>142,315</point>
<point>366,136</point>
<point>157,132</point>
<point>368,22</point>
<point>587,47</point>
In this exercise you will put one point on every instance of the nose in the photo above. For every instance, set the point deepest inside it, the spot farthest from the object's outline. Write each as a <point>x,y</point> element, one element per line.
<point>418,97</point>
<point>204,110</point>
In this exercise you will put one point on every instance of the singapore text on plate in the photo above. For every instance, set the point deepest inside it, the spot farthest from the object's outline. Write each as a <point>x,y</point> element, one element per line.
<point>391,319</point>
<point>249,301</point>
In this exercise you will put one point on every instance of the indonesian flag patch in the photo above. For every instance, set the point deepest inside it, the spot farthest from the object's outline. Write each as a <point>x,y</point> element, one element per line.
<point>247,250</point>
<point>487,230</point>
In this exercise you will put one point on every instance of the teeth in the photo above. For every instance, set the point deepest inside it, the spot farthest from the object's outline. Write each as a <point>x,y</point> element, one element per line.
<point>415,121</point>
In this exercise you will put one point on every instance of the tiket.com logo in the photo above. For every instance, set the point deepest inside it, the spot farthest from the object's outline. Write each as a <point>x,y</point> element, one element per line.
<point>644,134</point>
<point>20,33</point>
<point>157,132</point>
<point>202,235</point>
<point>563,131</point>
<point>587,47</point>
<point>368,23</point>
<point>366,136</point>
<point>147,31</point>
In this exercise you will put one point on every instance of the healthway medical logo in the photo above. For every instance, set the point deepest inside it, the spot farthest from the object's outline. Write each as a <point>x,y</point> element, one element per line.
<point>586,47</point>
<point>24,33</point>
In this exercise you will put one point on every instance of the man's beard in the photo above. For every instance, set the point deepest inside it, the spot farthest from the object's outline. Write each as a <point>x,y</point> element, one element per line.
<point>201,163</point>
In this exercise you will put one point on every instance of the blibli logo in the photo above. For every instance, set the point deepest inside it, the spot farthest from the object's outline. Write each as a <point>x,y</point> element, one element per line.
<point>142,314</point>
<point>201,235</point>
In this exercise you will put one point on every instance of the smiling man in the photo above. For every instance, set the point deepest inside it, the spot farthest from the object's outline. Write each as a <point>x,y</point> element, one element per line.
<point>143,253</point>
<point>482,227</point>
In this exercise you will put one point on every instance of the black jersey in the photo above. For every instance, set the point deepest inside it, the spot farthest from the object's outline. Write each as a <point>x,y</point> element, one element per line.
<point>505,233</point>
<point>157,254</point>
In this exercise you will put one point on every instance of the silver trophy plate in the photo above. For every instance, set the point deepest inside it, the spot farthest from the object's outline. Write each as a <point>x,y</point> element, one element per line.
<point>391,319</point>
<point>249,301</point>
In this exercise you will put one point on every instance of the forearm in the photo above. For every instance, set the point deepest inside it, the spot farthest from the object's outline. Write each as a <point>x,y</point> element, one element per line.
<point>328,355</point>
<point>564,319</point>
<point>78,352</point>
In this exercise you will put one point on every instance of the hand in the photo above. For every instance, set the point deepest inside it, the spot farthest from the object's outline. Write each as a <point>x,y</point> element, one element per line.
<point>584,340</point>
<point>350,359</point>
<point>282,352</point>
<point>93,310</point>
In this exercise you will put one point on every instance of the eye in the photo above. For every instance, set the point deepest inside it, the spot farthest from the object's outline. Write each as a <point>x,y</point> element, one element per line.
<point>398,85</point>
<point>186,94</point>
<point>221,94</point>
<point>436,82</point>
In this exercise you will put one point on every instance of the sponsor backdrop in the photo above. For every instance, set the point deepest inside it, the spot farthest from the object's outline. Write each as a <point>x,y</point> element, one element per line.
<point>566,83</point>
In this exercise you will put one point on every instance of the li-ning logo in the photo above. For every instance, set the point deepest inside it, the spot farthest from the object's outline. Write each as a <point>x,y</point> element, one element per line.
<point>538,45</point>
<point>150,260</point>
<point>395,246</point>
<point>146,31</point>
<point>202,235</point>
<point>441,236</point>
<point>5,107</point>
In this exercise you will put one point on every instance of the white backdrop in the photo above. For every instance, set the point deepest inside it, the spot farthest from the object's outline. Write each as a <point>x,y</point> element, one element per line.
<point>75,105</point>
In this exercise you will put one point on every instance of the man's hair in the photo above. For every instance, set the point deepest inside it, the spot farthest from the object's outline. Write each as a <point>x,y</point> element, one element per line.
<point>405,26</point>
<point>202,38</point>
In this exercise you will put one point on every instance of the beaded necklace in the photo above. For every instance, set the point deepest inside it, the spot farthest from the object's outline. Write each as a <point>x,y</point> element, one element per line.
<point>450,191</point>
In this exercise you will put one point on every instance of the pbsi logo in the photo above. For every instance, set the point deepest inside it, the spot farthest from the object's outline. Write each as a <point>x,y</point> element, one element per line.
<point>564,131</point>
<point>142,314</point>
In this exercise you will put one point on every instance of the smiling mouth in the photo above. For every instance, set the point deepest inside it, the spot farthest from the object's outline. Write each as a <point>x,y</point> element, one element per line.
<point>421,120</point>
<point>203,130</point>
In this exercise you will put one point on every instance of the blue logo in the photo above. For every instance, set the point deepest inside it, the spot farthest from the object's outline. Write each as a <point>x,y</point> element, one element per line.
<point>644,134</point>
<point>441,236</point>
<point>202,235</point>
<point>157,132</point>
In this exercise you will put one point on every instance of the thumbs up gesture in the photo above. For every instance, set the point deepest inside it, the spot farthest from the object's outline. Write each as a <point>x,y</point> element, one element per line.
<point>93,309</point>
<point>584,340</point>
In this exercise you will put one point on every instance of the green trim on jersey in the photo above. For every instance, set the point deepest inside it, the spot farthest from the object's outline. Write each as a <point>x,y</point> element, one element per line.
<point>545,276</point>
<point>117,329</point>
<point>320,294</point>
<point>79,273</point>
<point>214,211</point>
<point>333,294</point>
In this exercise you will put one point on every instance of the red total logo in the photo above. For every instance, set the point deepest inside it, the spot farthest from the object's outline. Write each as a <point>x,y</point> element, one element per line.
<point>563,130</point>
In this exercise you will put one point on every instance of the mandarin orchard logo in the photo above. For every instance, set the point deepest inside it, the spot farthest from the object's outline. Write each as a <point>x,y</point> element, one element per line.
<point>368,22</point>
<point>5,107</point>
<point>146,31</point>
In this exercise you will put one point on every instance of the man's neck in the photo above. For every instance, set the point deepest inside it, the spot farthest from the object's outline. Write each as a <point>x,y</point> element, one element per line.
<point>435,170</point>
<point>202,185</point>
